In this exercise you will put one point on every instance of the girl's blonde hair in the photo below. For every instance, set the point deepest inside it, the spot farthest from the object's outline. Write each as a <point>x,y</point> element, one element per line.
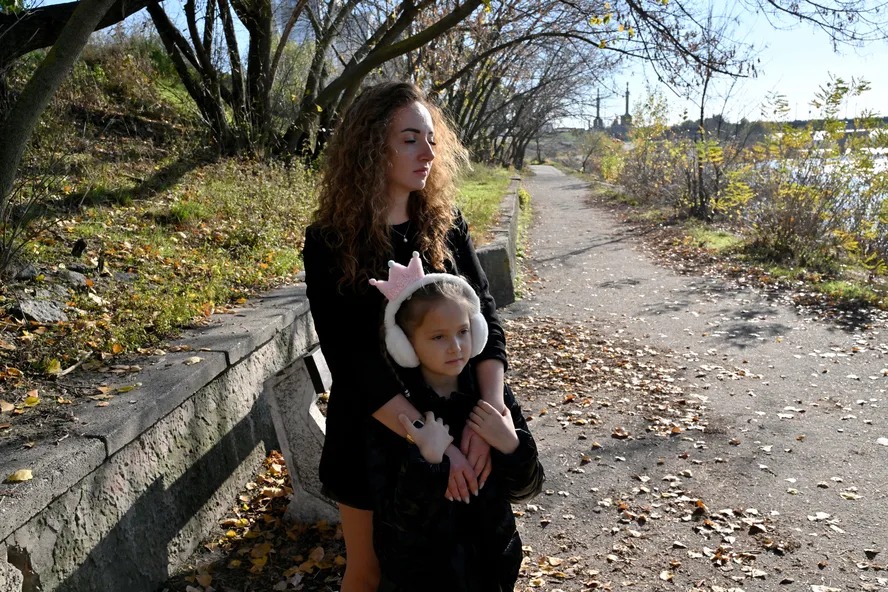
<point>353,201</point>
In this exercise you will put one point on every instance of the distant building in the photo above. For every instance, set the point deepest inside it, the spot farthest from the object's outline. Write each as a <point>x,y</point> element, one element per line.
<point>598,123</point>
<point>626,119</point>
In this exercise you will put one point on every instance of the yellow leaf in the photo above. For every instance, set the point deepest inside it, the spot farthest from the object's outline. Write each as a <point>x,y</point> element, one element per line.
<point>53,367</point>
<point>193,360</point>
<point>316,554</point>
<point>116,348</point>
<point>260,550</point>
<point>32,399</point>
<point>234,563</point>
<point>204,580</point>
<point>20,476</point>
<point>231,534</point>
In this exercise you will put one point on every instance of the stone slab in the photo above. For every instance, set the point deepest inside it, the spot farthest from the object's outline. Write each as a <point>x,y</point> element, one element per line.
<point>166,384</point>
<point>301,429</point>
<point>497,258</point>
<point>56,468</point>
<point>318,370</point>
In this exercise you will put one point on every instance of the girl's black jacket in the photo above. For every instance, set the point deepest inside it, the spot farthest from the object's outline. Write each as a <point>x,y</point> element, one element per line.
<point>425,542</point>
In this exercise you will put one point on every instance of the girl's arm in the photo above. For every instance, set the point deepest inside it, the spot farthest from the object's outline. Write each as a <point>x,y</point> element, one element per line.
<point>462,480</point>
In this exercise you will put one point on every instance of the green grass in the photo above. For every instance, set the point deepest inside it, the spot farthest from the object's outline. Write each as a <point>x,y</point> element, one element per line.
<point>481,191</point>
<point>848,291</point>
<point>714,239</point>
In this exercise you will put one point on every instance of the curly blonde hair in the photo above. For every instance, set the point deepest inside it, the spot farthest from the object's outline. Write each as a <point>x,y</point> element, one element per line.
<point>353,201</point>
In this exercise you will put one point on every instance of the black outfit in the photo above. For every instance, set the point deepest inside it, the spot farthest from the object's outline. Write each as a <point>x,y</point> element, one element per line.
<point>348,320</point>
<point>425,542</point>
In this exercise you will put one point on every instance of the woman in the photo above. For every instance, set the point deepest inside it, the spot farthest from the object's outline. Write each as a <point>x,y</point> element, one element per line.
<point>386,191</point>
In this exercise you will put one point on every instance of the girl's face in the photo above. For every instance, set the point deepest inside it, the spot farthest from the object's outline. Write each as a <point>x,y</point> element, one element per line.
<point>411,141</point>
<point>443,341</point>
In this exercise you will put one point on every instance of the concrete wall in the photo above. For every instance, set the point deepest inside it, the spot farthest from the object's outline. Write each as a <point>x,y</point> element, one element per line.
<point>126,499</point>
<point>498,257</point>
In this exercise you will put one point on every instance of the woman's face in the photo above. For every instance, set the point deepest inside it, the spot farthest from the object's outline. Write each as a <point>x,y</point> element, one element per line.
<point>411,141</point>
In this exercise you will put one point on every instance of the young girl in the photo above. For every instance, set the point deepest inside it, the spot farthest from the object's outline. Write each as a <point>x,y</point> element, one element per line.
<point>424,541</point>
<point>386,190</point>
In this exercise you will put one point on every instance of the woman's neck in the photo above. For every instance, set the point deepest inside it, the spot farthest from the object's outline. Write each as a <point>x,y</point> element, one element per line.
<point>442,385</point>
<point>397,211</point>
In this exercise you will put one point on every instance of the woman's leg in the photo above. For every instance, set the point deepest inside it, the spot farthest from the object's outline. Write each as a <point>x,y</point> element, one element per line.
<point>361,567</point>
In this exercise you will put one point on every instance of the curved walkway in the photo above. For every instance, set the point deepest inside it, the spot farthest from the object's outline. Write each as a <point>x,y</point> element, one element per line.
<point>802,431</point>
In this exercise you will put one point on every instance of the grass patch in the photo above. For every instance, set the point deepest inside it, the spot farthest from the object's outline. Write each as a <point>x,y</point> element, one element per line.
<point>217,234</point>
<point>481,191</point>
<point>714,239</point>
<point>849,291</point>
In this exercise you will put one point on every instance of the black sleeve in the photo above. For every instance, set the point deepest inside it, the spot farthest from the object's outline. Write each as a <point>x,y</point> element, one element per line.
<point>418,492</point>
<point>348,322</point>
<point>521,473</point>
<point>468,266</point>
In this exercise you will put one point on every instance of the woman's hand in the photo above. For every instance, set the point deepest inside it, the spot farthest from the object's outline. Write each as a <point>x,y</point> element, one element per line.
<point>477,451</point>
<point>496,428</point>
<point>462,478</point>
<point>432,437</point>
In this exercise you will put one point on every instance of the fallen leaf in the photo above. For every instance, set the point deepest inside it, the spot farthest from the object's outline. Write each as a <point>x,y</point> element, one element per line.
<point>53,367</point>
<point>204,579</point>
<point>192,360</point>
<point>20,476</point>
<point>5,406</point>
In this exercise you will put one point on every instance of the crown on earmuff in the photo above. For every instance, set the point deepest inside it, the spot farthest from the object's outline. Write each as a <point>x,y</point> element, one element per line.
<point>400,277</point>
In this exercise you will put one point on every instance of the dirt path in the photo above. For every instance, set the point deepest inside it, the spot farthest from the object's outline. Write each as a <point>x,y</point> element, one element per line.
<point>737,444</point>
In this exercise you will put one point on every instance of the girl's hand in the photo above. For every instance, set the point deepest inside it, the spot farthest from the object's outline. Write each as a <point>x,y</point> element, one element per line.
<point>496,428</point>
<point>462,477</point>
<point>477,451</point>
<point>432,437</point>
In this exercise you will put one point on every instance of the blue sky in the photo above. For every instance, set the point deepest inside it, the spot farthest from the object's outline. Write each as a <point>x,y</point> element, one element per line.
<point>794,63</point>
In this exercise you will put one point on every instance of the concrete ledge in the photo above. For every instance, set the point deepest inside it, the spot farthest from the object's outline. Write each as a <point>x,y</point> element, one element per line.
<point>121,505</point>
<point>498,257</point>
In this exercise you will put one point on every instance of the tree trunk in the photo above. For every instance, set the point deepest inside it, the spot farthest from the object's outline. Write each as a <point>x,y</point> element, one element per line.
<point>18,126</point>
